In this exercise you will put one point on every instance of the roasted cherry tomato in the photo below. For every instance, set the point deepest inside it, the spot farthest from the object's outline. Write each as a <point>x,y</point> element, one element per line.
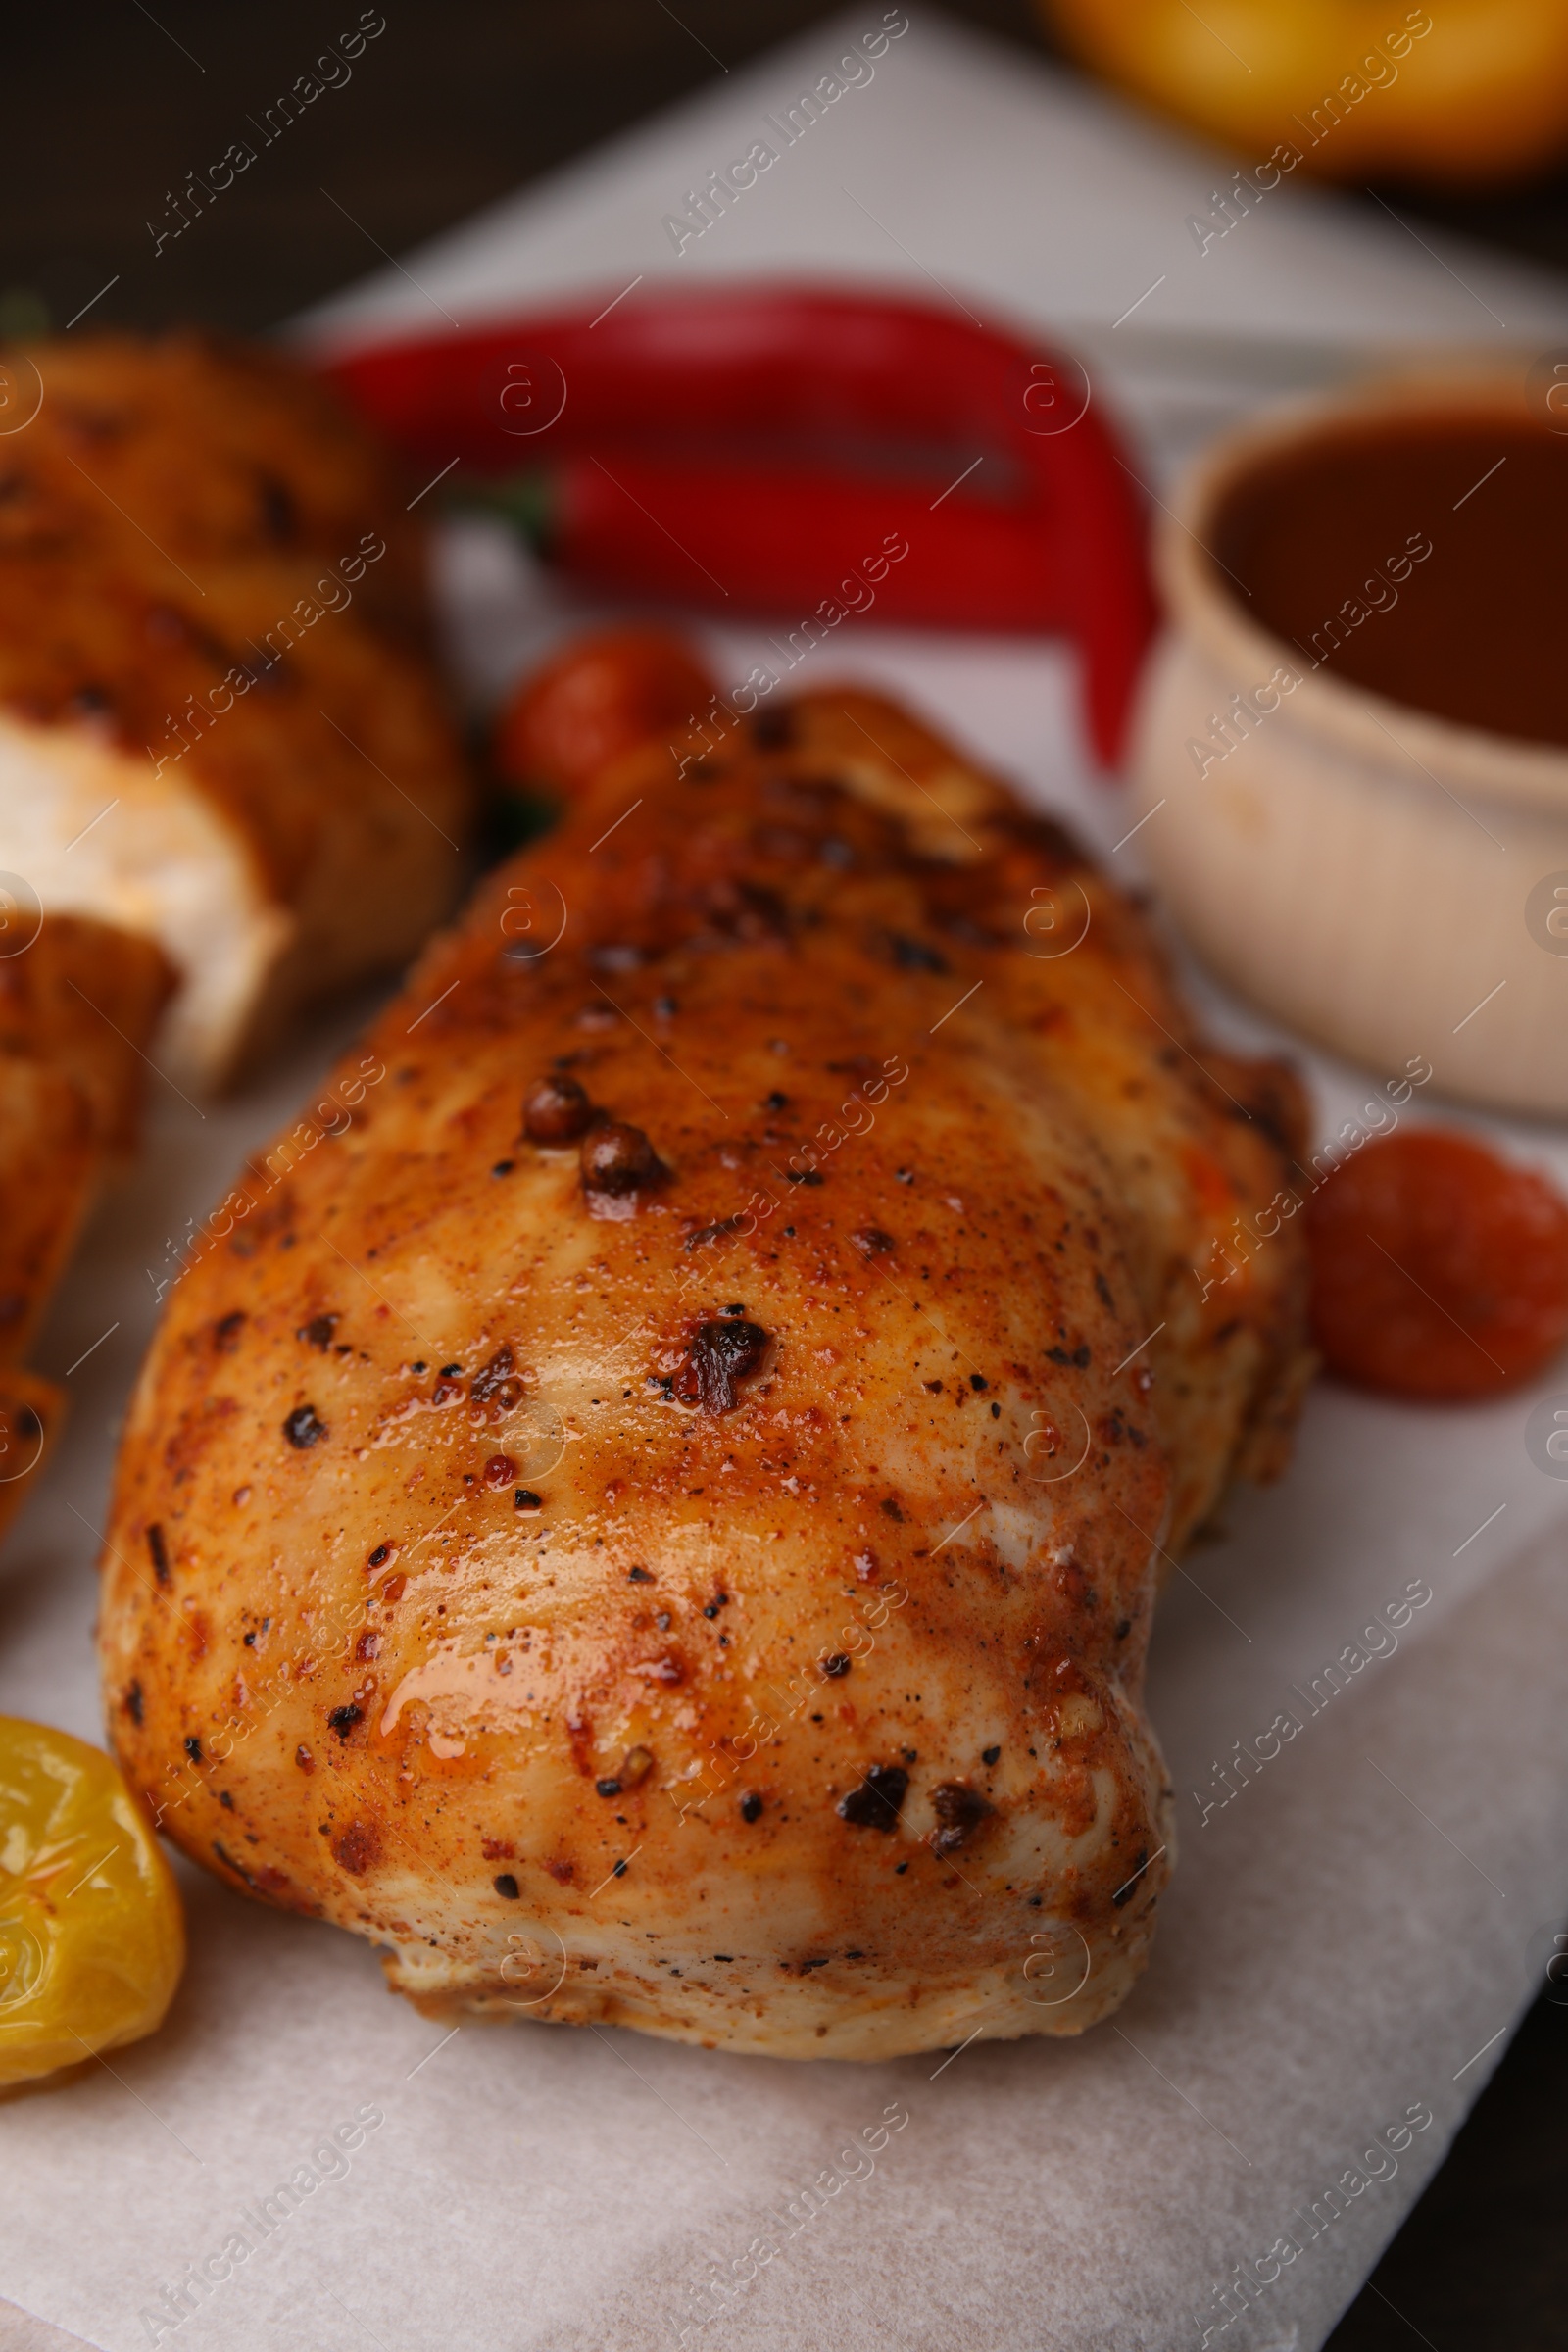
<point>92,1937</point>
<point>1439,1271</point>
<point>603,696</point>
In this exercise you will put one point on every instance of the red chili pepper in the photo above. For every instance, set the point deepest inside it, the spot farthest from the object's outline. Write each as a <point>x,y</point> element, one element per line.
<point>786,538</point>
<point>764,449</point>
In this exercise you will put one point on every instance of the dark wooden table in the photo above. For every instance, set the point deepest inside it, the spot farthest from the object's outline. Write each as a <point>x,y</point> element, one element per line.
<point>110,105</point>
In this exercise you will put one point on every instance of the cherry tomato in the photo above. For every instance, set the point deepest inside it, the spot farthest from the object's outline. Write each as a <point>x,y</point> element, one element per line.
<point>601,697</point>
<point>1438,1270</point>
<point>92,1937</point>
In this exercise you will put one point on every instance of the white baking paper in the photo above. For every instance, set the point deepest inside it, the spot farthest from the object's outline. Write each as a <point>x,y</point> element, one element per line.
<point>1353,1925</point>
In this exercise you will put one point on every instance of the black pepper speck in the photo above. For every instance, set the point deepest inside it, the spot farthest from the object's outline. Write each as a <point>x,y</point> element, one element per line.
<point>960,1811</point>
<point>877,1802</point>
<point>617,1159</point>
<point>555,1110</point>
<point>719,1355</point>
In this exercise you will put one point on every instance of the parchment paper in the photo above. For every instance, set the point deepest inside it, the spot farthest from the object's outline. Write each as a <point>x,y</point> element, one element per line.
<point>1353,1929</point>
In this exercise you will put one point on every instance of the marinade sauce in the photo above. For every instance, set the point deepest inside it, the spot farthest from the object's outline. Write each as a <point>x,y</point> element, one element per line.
<point>1423,555</point>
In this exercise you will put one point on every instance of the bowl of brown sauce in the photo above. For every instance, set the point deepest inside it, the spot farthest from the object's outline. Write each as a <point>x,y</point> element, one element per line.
<point>1352,754</point>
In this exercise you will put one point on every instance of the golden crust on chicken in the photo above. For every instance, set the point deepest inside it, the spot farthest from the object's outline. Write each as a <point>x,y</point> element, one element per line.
<point>85,998</point>
<point>78,1002</point>
<point>657,1522</point>
<point>49,1162</point>
<point>189,449</point>
<point>31,1411</point>
<point>217,733</point>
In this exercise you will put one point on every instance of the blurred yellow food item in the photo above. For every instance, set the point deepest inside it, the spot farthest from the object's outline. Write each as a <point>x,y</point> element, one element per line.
<point>1474,93</point>
<point>92,1937</point>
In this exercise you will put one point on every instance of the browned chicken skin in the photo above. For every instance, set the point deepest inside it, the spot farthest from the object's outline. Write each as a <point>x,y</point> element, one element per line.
<point>657,1521</point>
<point>221,451</point>
<point>219,724</point>
<point>85,998</point>
<point>78,1002</point>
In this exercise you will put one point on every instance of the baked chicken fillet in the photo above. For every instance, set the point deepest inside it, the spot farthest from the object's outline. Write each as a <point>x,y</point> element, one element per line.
<point>78,1002</point>
<point>657,1520</point>
<point>218,723</point>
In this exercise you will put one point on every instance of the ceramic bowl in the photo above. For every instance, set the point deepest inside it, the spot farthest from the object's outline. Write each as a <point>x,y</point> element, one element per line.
<point>1390,883</point>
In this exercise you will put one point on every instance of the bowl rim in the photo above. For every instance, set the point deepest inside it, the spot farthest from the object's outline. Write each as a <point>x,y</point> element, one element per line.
<point>1347,717</point>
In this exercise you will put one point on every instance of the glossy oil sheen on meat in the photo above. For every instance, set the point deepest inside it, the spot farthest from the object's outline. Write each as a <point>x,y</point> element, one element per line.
<point>682,1553</point>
